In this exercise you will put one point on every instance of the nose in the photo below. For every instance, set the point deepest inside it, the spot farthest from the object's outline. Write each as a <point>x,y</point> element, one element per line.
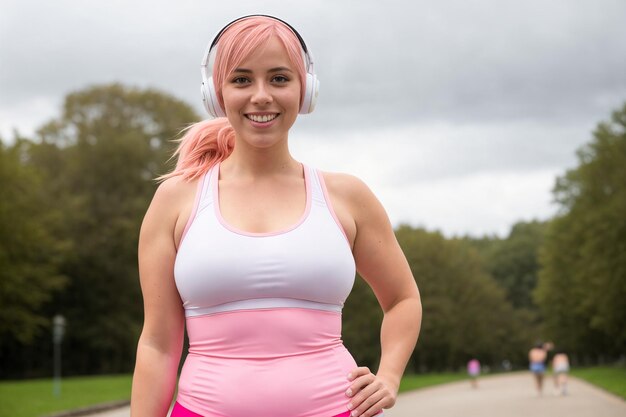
<point>261,94</point>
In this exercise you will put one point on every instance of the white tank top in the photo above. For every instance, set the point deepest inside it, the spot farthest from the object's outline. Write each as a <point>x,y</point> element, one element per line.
<point>219,268</point>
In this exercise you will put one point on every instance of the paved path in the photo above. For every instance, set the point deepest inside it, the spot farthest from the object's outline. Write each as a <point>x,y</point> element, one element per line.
<point>511,395</point>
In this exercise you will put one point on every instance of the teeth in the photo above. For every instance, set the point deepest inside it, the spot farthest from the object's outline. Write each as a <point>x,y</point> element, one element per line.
<point>262,119</point>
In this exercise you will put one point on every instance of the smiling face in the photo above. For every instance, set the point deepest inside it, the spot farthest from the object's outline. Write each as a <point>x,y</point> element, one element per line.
<point>262,96</point>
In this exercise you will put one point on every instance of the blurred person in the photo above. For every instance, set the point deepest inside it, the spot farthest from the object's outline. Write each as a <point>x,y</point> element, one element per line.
<point>255,253</point>
<point>560,369</point>
<point>537,364</point>
<point>473,370</point>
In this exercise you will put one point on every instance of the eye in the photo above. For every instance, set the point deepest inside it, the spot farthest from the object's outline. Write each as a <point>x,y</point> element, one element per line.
<point>280,79</point>
<point>240,80</point>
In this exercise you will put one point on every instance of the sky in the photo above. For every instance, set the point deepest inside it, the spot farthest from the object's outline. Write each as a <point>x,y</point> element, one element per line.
<point>459,115</point>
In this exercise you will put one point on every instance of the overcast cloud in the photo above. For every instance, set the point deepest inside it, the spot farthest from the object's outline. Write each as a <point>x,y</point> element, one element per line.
<point>458,114</point>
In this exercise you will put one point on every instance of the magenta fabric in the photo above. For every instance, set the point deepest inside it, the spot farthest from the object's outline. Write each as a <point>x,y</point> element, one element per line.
<point>180,411</point>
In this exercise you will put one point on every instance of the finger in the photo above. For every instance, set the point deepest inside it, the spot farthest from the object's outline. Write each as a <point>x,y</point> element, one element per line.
<point>375,409</point>
<point>368,391</point>
<point>359,383</point>
<point>355,373</point>
<point>370,405</point>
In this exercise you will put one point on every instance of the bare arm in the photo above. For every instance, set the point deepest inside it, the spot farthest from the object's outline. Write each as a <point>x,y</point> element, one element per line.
<point>382,264</point>
<point>160,344</point>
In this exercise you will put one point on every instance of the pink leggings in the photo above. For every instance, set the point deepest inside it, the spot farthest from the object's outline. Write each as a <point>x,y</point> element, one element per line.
<point>180,411</point>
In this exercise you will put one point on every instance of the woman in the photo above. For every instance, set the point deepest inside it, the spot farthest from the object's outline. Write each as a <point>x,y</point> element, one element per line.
<point>473,370</point>
<point>537,364</point>
<point>560,369</point>
<point>256,252</point>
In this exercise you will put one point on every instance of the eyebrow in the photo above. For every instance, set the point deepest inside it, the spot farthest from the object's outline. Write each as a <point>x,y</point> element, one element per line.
<point>277,69</point>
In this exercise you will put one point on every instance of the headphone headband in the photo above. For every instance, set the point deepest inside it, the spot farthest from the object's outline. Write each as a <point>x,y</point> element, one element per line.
<point>295,32</point>
<point>207,89</point>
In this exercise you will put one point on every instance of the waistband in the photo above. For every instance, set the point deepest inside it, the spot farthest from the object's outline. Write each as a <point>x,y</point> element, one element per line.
<point>264,333</point>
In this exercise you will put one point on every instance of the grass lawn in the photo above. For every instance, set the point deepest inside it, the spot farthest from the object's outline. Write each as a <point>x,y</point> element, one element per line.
<point>411,382</point>
<point>34,398</point>
<point>612,379</point>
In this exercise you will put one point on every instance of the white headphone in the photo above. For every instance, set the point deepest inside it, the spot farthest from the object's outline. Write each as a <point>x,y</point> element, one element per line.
<point>209,94</point>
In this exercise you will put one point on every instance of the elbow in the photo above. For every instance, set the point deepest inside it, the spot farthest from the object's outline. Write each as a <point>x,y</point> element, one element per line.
<point>410,300</point>
<point>165,342</point>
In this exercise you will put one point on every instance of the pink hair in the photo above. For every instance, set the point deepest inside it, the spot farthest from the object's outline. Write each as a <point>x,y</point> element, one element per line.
<point>207,142</point>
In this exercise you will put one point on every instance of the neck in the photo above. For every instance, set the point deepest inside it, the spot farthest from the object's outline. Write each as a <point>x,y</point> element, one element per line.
<point>255,162</point>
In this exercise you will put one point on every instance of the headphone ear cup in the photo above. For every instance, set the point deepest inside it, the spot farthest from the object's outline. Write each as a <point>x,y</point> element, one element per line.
<point>205,100</point>
<point>209,98</point>
<point>310,94</point>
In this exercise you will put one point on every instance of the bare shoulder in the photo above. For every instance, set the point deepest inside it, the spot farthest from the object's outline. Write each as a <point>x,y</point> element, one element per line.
<point>172,189</point>
<point>173,194</point>
<point>354,193</point>
<point>346,185</point>
<point>172,198</point>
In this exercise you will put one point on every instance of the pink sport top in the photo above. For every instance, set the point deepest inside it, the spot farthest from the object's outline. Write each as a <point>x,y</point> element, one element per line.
<point>263,311</point>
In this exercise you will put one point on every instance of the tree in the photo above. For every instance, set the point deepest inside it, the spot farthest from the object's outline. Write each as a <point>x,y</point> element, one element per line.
<point>29,255</point>
<point>514,262</point>
<point>465,312</point>
<point>582,285</point>
<point>99,160</point>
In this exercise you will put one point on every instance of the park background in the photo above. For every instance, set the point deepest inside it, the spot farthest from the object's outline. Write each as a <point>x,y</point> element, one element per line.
<point>493,133</point>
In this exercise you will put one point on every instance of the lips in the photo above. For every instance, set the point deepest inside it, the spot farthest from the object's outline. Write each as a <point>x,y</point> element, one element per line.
<point>262,118</point>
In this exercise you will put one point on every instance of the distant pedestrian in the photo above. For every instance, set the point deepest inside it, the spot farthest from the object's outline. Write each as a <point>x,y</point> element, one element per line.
<point>560,369</point>
<point>473,370</point>
<point>537,359</point>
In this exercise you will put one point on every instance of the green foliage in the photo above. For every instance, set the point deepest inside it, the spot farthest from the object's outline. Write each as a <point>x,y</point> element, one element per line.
<point>29,254</point>
<point>513,262</point>
<point>113,141</point>
<point>465,312</point>
<point>99,161</point>
<point>582,285</point>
